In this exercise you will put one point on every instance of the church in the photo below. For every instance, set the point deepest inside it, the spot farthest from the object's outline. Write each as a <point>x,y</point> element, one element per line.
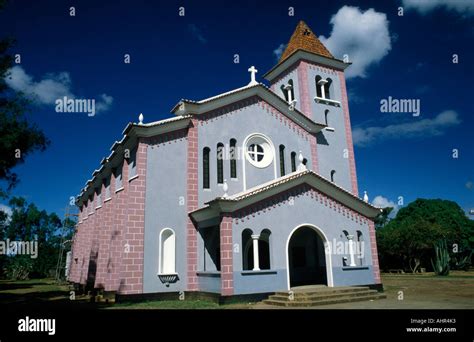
<point>249,192</point>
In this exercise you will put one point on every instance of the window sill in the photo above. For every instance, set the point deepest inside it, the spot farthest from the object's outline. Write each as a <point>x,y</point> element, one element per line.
<point>354,268</point>
<point>261,272</point>
<point>130,179</point>
<point>327,101</point>
<point>206,189</point>
<point>234,179</point>
<point>330,129</point>
<point>168,279</point>
<point>107,199</point>
<point>90,214</point>
<point>210,274</point>
<point>118,190</point>
<point>98,207</point>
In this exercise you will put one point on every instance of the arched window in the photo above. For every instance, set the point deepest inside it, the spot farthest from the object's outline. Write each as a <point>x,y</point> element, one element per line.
<point>360,247</point>
<point>284,89</point>
<point>247,250</point>
<point>318,86</point>
<point>292,90</point>
<point>282,160</point>
<point>326,114</point>
<point>327,88</point>
<point>293,161</point>
<point>220,163</point>
<point>233,158</point>
<point>205,167</point>
<point>333,173</point>
<point>264,250</point>
<point>167,263</point>
<point>305,161</point>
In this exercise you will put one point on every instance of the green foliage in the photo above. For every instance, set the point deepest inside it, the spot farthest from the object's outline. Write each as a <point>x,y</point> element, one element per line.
<point>28,223</point>
<point>19,267</point>
<point>407,240</point>
<point>19,138</point>
<point>382,219</point>
<point>441,263</point>
<point>462,262</point>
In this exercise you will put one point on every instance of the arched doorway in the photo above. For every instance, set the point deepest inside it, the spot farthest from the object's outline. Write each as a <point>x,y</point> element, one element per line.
<point>307,264</point>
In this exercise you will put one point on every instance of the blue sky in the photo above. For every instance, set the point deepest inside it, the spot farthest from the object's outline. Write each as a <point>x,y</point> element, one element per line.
<point>173,57</point>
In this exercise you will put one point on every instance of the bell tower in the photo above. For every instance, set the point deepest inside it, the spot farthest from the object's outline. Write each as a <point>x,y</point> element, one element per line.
<point>312,80</point>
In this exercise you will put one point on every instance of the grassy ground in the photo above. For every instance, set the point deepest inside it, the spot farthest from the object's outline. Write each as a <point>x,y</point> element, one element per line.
<point>421,291</point>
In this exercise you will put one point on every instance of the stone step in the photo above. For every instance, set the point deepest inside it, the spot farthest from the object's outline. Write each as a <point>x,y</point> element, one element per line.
<point>320,296</point>
<point>337,300</point>
<point>326,290</point>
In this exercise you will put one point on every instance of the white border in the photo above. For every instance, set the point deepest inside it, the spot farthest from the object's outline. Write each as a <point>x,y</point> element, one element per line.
<point>244,144</point>
<point>327,255</point>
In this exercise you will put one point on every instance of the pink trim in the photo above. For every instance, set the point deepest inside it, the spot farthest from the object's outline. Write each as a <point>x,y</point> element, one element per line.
<point>192,204</point>
<point>347,122</point>
<point>375,255</point>
<point>227,274</point>
<point>303,86</point>
<point>134,232</point>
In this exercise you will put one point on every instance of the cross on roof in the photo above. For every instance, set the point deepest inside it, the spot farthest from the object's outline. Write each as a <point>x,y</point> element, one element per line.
<point>252,71</point>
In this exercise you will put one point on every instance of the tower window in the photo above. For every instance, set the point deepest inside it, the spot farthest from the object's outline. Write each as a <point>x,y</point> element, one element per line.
<point>333,174</point>
<point>326,115</point>
<point>318,87</point>
<point>220,163</point>
<point>293,161</point>
<point>327,88</point>
<point>282,160</point>
<point>205,167</point>
<point>233,159</point>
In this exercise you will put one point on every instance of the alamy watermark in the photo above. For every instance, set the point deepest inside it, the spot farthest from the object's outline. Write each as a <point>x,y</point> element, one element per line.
<point>393,105</point>
<point>12,248</point>
<point>70,105</point>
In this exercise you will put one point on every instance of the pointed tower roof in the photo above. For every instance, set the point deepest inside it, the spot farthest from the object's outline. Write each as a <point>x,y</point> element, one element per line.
<point>304,39</point>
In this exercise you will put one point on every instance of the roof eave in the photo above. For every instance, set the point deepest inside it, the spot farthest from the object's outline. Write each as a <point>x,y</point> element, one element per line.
<point>306,55</point>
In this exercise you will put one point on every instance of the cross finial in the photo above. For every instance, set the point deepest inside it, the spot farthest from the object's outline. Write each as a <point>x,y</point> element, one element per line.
<point>252,71</point>
<point>301,166</point>
<point>366,197</point>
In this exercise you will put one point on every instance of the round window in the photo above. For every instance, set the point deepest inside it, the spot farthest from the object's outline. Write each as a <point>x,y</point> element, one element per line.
<point>259,151</point>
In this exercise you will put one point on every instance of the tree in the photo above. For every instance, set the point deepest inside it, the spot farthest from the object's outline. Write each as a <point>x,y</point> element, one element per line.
<point>407,240</point>
<point>28,223</point>
<point>18,137</point>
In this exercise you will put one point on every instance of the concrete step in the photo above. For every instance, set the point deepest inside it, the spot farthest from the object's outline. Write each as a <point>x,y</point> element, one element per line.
<point>317,290</point>
<point>335,300</point>
<point>316,296</point>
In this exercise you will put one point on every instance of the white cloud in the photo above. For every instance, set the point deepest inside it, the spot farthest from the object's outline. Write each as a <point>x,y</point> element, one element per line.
<point>382,202</point>
<point>48,89</point>
<point>279,51</point>
<point>464,7</point>
<point>104,104</point>
<point>45,91</point>
<point>363,136</point>
<point>6,209</point>
<point>363,36</point>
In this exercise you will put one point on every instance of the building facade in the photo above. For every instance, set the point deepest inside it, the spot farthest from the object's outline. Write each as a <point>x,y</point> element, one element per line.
<point>250,191</point>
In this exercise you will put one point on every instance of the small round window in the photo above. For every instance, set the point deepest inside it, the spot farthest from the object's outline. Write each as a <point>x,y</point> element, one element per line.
<point>259,151</point>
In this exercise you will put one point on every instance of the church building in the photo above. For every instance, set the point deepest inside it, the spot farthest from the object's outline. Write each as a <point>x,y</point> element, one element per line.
<point>248,192</point>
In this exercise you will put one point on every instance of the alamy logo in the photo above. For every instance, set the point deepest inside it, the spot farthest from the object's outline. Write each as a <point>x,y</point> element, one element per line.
<point>12,248</point>
<point>28,324</point>
<point>392,105</point>
<point>68,105</point>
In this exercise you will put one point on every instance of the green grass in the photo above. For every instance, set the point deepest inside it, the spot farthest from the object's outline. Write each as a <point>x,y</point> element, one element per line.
<point>168,304</point>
